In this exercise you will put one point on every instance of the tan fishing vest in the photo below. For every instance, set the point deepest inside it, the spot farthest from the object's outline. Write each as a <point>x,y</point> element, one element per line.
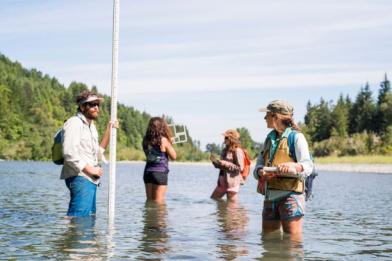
<point>282,155</point>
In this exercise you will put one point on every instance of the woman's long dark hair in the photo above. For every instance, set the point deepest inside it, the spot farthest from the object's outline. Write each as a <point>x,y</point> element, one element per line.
<point>157,128</point>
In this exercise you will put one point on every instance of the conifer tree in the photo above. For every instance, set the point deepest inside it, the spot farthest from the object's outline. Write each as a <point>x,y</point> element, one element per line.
<point>318,120</point>
<point>383,106</point>
<point>363,112</point>
<point>340,116</point>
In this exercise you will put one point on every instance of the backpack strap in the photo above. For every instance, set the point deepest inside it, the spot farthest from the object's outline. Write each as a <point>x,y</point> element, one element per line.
<point>235,158</point>
<point>291,142</point>
<point>266,146</point>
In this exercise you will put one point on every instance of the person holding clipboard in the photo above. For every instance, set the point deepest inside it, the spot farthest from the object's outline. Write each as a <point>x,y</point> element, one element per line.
<point>281,175</point>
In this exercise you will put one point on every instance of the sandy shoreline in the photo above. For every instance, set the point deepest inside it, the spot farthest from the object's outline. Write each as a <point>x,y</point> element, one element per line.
<point>336,167</point>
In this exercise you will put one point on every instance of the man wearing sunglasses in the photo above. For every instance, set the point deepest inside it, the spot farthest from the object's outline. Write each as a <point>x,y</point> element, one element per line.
<point>82,150</point>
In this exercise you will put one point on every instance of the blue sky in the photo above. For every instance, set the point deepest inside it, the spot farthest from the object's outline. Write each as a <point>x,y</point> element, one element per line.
<point>208,64</point>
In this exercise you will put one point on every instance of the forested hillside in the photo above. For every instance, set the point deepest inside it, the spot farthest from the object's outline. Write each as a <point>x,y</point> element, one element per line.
<point>33,106</point>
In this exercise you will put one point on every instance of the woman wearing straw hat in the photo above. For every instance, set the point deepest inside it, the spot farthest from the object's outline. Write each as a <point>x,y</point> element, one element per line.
<point>284,204</point>
<point>230,166</point>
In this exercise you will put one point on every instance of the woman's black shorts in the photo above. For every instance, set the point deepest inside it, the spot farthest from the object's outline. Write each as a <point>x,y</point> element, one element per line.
<point>157,178</point>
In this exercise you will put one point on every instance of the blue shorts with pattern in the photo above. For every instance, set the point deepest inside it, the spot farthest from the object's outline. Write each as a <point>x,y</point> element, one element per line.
<point>83,197</point>
<point>286,208</point>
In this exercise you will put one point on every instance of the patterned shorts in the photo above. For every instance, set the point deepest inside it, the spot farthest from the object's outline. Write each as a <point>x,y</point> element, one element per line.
<point>287,208</point>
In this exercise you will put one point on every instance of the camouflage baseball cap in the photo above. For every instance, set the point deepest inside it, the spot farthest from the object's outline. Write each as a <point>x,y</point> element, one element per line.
<point>279,106</point>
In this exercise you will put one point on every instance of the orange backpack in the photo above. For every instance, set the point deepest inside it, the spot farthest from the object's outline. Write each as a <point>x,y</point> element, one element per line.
<point>247,162</point>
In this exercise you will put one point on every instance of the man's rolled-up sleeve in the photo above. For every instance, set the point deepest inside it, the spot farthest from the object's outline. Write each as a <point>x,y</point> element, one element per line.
<point>71,144</point>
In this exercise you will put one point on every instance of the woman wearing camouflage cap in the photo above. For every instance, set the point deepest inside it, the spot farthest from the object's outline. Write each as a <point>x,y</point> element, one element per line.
<point>230,166</point>
<point>284,185</point>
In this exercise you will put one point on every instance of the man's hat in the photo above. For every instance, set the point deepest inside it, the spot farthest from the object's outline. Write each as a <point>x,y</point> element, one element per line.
<point>91,98</point>
<point>279,106</point>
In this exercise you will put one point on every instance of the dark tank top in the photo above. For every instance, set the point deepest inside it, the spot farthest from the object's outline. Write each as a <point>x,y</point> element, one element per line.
<point>156,160</point>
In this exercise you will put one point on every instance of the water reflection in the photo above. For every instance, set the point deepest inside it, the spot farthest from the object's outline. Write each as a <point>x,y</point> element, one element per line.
<point>233,221</point>
<point>336,227</point>
<point>80,240</point>
<point>282,246</point>
<point>154,242</point>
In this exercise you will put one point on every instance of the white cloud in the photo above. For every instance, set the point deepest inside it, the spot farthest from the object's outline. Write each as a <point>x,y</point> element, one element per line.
<point>54,16</point>
<point>208,74</point>
<point>178,46</point>
<point>314,80</point>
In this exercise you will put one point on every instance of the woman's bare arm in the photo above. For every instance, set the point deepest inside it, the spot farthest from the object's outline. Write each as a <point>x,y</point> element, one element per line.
<point>167,147</point>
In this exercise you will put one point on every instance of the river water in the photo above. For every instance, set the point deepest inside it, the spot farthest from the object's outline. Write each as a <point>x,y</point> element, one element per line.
<point>349,218</point>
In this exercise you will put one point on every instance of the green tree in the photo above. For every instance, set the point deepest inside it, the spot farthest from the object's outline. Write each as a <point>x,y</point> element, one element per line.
<point>318,120</point>
<point>387,141</point>
<point>363,112</point>
<point>214,148</point>
<point>340,116</point>
<point>386,110</point>
<point>248,143</point>
<point>5,104</point>
<point>33,106</point>
<point>363,116</point>
<point>383,112</point>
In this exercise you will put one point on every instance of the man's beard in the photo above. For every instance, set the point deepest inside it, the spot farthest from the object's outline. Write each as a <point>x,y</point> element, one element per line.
<point>90,116</point>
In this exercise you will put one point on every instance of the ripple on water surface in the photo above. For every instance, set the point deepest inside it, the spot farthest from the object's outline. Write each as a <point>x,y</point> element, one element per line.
<point>344,221</point>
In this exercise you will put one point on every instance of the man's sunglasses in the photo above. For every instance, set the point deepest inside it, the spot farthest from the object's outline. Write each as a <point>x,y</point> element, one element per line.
<point>92,104</point>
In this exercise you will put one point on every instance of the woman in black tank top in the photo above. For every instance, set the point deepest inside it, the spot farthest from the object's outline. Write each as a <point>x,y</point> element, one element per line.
<point>158,149</point>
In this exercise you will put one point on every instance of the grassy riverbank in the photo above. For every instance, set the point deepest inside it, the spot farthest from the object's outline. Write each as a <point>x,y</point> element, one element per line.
<point>362,159</point>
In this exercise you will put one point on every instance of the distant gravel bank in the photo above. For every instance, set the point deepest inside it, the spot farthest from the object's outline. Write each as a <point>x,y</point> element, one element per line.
<point>342,167</point>
<point>335,167</point>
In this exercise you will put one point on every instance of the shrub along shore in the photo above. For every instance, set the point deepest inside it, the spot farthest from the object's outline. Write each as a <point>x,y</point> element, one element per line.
<point>321,165</point>
<point>364,163</point>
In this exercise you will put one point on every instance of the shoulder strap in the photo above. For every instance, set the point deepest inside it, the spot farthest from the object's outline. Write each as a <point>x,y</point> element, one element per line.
<point>267,146</point>
<point>235,158</point>
<point>291,142</point>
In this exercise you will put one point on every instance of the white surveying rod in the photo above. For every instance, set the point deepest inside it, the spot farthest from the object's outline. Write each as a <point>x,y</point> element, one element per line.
<point>113,113</point>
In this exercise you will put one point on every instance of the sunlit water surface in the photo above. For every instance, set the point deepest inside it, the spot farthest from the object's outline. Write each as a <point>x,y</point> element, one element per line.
<point>349,218</point>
